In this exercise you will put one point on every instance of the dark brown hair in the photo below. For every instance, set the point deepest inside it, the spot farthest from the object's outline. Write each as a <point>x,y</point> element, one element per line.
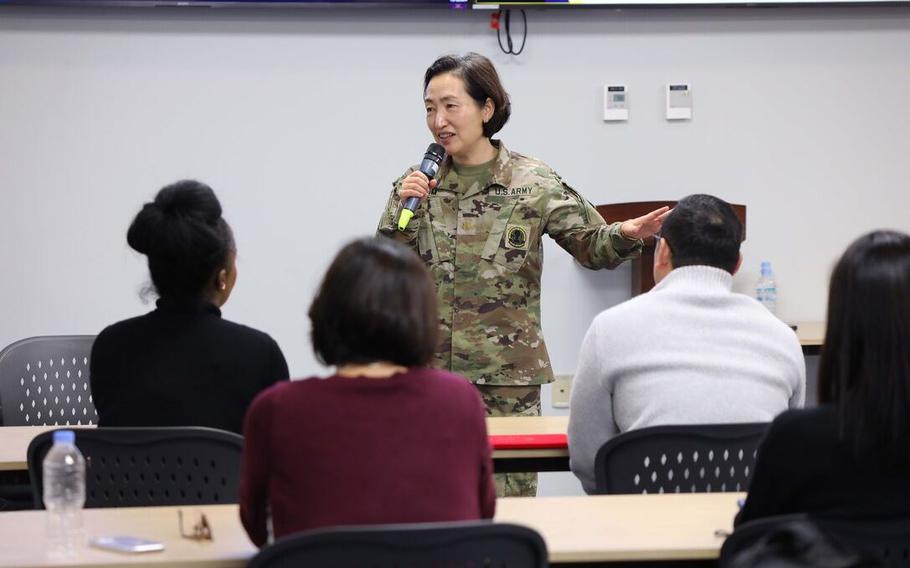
<point>480,81</point>
<point>376,303</point>
<point>865,364</point>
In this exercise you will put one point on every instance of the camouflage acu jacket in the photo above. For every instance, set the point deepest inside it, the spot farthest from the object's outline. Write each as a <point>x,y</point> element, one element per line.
<point>483,247</point>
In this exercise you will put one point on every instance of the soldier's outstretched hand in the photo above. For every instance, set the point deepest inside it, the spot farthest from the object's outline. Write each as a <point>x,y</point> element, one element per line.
<point>646,225</point>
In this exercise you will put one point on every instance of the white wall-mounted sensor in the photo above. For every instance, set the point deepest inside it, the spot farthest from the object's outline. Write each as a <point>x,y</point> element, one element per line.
<point>616,102</point>
<point>679,101</point>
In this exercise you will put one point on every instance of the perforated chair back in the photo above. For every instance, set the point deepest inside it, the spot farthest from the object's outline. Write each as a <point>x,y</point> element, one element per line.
<point>873,542</point>
<point>137,467</point>
<point>700,458</point>
<point>462,544</point>
<point>45,381</point>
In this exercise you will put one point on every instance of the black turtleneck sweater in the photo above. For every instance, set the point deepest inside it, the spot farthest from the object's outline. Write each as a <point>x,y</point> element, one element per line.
<point>181,365</point>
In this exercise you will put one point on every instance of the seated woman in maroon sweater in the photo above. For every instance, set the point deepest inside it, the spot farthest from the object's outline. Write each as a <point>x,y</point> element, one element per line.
<point>850,457</point>
<point>384,439</point>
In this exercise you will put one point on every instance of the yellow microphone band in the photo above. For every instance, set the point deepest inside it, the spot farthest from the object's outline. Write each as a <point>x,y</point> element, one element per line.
<point>405,218</point>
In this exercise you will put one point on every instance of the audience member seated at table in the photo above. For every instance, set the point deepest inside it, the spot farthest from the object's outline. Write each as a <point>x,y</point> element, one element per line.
<point>384,439</point>
<point>850,455</point>
<point>182,364</point>
<point>690,351</point>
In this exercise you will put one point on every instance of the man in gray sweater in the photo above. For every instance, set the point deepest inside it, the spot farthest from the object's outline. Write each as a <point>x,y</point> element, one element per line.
<point>690,351</point>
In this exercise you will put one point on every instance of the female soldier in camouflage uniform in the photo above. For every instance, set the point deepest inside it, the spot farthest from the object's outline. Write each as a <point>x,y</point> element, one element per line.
<point>480,234</point>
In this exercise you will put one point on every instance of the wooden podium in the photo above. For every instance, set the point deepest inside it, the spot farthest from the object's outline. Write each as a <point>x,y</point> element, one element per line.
<point>642,268</point>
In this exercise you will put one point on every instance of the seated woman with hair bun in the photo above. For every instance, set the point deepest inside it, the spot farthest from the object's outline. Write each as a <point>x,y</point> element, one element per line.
<point>382,440</point>
<point>182,364</point>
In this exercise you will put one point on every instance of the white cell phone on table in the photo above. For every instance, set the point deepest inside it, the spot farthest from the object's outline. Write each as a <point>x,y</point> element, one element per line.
<point>129,544</point>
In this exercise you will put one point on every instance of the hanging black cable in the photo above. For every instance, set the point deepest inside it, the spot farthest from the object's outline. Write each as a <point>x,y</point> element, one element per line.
<point>509,47</point>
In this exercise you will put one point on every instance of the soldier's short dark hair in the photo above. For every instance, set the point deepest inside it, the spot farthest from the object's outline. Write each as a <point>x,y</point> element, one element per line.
<point>481,81</point>
<point>376,302</point>
<point>703,230</point>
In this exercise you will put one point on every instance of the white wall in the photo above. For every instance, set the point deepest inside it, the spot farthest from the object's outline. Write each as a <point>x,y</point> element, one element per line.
<point>301,119</point>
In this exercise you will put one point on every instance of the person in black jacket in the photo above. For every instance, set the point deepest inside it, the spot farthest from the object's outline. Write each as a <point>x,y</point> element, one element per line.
<point>182,364</point>
<point>851,455</point>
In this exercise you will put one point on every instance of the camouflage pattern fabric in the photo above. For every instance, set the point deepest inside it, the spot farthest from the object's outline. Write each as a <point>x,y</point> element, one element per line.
<point>512,401</point>
<point>483,246</point>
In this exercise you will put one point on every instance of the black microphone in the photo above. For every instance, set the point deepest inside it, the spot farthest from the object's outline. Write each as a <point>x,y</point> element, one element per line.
<point>428,167</point>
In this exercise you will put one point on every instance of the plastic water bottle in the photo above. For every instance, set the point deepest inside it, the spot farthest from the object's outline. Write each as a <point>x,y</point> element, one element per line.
<point>64,495</point>
<point>766,288</point>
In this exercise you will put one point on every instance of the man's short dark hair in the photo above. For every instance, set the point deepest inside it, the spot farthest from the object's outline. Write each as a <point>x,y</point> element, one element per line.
<point>703,230</point>
<point>376,302</point>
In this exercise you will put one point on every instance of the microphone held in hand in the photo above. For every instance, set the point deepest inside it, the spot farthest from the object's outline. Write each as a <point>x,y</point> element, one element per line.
<point>428,167</point>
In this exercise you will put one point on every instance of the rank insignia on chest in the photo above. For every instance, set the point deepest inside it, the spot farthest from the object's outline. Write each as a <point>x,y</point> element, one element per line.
<point>467,226</point>
<point>517,237</point>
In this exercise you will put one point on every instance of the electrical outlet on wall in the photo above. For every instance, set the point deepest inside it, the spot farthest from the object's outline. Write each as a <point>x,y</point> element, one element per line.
<point>562,390</point>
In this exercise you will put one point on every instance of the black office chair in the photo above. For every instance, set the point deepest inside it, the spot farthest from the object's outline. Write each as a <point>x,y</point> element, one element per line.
<point>460,544</point>
<point>803,540</point>
<point>45,381</point>
<point>137,467</point>
<point>698,458</point>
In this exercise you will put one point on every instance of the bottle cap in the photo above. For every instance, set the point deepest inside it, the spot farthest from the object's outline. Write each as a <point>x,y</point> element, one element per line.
<point>765,268</point>
<point>64,436</point>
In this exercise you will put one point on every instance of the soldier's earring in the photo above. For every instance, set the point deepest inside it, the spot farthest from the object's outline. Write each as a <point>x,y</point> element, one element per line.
<point>222,286</point>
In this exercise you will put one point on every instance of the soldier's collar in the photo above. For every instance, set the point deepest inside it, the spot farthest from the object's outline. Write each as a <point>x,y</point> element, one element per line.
<point>502,167</point>
<point>501,171</point>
